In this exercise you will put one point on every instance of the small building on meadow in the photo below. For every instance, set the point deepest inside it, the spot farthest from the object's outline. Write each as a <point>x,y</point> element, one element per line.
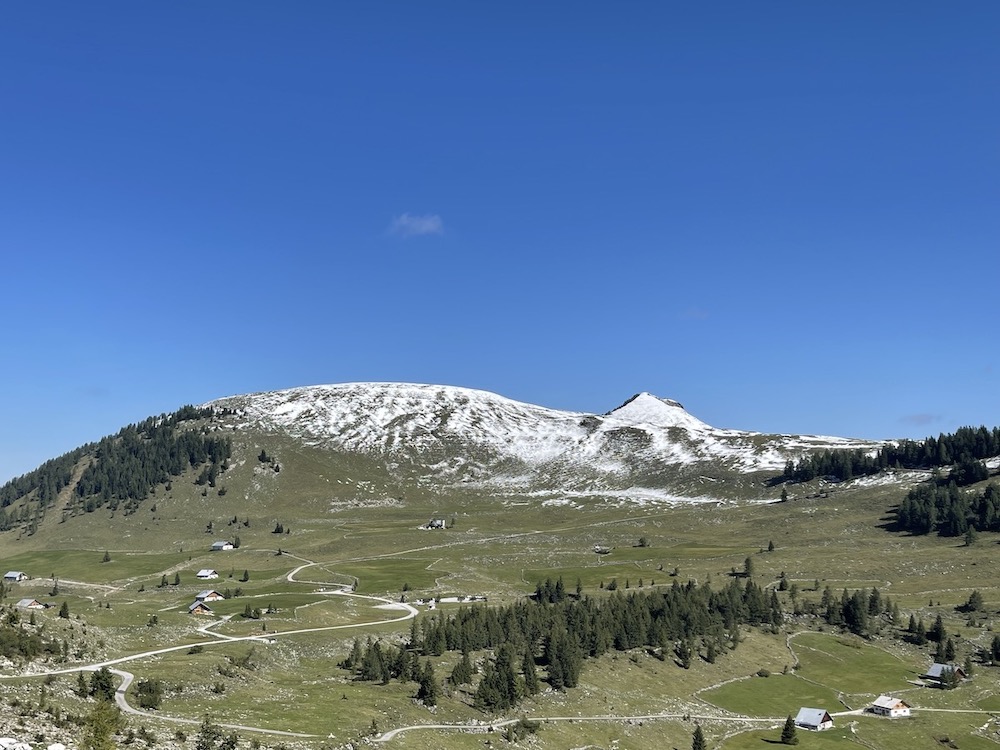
<point>222,546</point>
<point>940,673</point>
<point>209,595</point>
<point>887,705</point>
<point>206,573</point>
<point>199,608</point>
<point>30,604</point>
<point>437,523</point>
<point>815,719</point>
<point>14,576</point>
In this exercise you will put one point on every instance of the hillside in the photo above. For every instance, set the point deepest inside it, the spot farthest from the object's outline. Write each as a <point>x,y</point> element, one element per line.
<point>340,616</point>
<point>646,448</point>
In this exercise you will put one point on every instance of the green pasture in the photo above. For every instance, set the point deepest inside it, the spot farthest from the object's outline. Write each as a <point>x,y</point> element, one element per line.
<point>88,565</point>
<point>775,696</point>
<point>358,523</point>
<point>388,575</point>
<point>849,665</point>
<point>759,739</point>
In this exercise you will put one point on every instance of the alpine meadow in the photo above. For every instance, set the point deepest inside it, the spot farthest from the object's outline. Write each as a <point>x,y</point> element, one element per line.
<point>411,566</point>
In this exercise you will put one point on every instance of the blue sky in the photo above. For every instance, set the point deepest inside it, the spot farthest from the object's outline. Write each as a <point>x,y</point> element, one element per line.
<point>783,215</point>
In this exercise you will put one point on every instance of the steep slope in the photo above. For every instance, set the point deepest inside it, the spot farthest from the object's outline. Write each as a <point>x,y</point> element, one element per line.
<point>461,436</point>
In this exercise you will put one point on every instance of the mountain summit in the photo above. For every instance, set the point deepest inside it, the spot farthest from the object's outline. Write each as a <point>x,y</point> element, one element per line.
<point>645,408</point>
<point>460,436</point>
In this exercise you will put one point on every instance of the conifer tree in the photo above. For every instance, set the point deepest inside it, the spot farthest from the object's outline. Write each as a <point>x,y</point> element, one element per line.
<point>428,688</point>
<point>102,685</point>
<point>698,739</point>
<point>103,721</point>
<point>462,673</point>
<point>788,736</point>
<point>529,673</point>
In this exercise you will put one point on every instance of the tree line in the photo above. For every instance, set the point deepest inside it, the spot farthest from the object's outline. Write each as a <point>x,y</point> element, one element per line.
<point>949,511</point>
<point>559,634</point>
<point>963,449</point>
<point>127,466</point>
<point>124,468</point>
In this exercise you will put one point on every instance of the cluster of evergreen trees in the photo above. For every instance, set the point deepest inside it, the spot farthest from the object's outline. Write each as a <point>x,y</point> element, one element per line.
<point>20,644</point>
<point>127,466</point>
<point>949,511</point>
<point>858,611</point>
<point>48,479</point>
<point>964,448</point>
<point>558,632</point>
<point>382,662</point>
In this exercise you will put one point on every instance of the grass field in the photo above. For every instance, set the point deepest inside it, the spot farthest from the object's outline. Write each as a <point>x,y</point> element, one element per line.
<point>360,528</point>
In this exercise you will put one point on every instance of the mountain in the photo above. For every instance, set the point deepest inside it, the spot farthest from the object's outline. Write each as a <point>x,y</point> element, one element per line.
<point>647,448</point>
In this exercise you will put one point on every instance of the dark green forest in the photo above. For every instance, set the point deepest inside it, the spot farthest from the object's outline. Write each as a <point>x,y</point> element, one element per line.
<point>123,468</point>
<point>964,449</point>
<point>947,510</point>
<point>558,634</point>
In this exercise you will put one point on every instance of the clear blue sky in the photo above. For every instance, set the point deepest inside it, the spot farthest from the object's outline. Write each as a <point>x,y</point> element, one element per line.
<point>785,215</point>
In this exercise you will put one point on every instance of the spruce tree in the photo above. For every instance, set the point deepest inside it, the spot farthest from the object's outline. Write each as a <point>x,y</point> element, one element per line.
<point>428,687</point>
<point>101,724</point>
<point>698,739</point>
<point>531,685</point>
<point>462,673</point>
<point>788,732</point>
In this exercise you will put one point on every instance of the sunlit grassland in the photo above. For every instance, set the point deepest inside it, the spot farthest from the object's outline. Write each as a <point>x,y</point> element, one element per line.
<point>358,526</point>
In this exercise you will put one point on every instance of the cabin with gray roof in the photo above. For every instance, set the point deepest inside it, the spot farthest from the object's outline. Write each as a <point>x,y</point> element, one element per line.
<point>30,604</point>
<point>814,719</point>
<point>199,608</point>
<point>14,576</point>
<point>941,672</point>
<point>887,705</point>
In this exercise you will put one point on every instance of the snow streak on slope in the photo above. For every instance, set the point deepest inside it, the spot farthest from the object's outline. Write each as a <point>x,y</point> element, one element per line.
<point>465,435</point>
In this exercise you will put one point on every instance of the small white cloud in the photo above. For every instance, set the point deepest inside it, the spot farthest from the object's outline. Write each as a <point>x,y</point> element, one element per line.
<point>920,419</point>
<point>409,225</point>
<point>695,313</point>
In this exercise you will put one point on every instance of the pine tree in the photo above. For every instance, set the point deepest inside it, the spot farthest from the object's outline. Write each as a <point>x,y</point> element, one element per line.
<point>102,685</point>
<point>64,611</point>
<point>788,732</point>
<point>82,691</point>
<point>698,739</point>
<point>462,673</point>
<point>936,633</point>
<point>103,721</point>
<point>428,688</point>
<point>531,685</point>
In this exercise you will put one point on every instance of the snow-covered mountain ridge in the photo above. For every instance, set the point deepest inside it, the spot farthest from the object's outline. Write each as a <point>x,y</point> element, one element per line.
<point>463,435</point>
